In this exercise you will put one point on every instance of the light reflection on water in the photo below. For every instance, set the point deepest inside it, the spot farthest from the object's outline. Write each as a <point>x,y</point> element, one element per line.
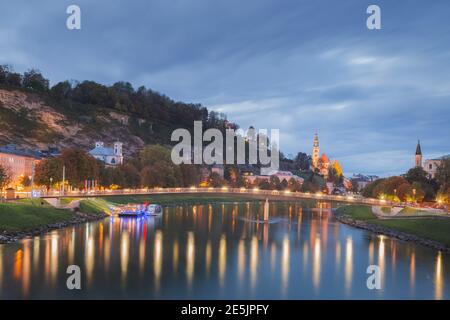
<point>220,251</point>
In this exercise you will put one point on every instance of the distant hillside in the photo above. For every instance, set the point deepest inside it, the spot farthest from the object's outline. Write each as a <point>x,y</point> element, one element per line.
<point>76,114</point>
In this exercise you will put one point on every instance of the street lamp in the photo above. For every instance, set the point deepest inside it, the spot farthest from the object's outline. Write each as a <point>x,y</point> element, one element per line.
<point>51,183</point>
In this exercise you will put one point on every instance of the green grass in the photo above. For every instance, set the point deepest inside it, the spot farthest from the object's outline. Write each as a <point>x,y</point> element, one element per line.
<point>179,198</point>
<point>408,212</point>
<point>429,228</point>
<point>432,228</point>
<point>358,212</point>
<point>94,206</point>
<point>29,215</point>
<point>386,210</point>
<point>66,201</point>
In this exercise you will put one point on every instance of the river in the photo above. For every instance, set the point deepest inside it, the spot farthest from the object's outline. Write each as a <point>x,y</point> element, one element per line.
<point>222,251</point>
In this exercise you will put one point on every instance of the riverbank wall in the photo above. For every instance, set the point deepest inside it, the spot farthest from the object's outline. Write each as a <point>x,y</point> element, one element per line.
<point>78,218</point>
<point>391,232</point>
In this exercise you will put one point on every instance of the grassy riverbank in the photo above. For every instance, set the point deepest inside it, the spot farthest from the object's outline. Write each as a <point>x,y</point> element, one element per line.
<point>26,215</point>
<point>94,206</point>
<point>431,228</point>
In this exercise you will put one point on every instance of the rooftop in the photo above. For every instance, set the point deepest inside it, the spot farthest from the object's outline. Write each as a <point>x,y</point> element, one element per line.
<point>102,151</point>
<point>15,150</point>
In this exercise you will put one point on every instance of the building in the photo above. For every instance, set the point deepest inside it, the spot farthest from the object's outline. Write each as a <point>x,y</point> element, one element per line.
<point>316,151</point>
<point>418,156</point>
<point>324,165</point>
<point>282,175</point>
<point>431,165</point>
<point>321,164</point>
<point>362,180</point>
<point>19,162</point>
<point>110,156</point>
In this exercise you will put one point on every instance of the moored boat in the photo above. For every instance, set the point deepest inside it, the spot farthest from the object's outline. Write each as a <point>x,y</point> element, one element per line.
<point>154,209</point>
<point>132,211</point>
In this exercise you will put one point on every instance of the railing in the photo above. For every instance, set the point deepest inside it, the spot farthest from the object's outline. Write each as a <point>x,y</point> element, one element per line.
<point>224,190</point>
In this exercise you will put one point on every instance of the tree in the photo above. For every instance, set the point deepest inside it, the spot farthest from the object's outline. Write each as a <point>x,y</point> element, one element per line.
<point>3,73</point>
<point>5,179</point>
<point>61,90</point>
<point>190,175</point>
<point>33,79</point>
<point>294,185</point>
<point>80,166</point>
<point>284,184</point>
<point>302,161</point>
<point>429,186</point>
<point>25,181</point>
<point>275,183</point>
<point>368,191</point>
<point>48,169</point>
<point>131,176</point>
<point>216,181</point>
<point>443,174</point>
<point>158,169</point>
<point>13,79</point>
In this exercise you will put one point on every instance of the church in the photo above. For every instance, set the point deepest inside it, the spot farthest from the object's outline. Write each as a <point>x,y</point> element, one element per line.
<point>321,164</point>
<point>110,156</point>
<point>430,165</point>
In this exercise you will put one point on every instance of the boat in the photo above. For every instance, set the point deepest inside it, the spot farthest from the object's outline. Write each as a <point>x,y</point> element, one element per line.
<point>132,211</point>
<point>154,210</point>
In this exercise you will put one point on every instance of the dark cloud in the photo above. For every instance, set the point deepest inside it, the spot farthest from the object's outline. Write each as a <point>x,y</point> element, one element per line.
<point>300,66</point>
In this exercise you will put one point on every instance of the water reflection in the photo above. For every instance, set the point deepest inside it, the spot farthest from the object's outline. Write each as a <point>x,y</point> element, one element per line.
<point>190,259</point>
<point>348,264</point>
<point>253,262</point>
<point>412,271</point>
<point>381,258</point>
<point>220,251</point>
<point>157,259</point>
<point>222,259</point>
<point>316,265</point>
<point>439,285</point>
<point>285,261</point>
<point>124,255</point>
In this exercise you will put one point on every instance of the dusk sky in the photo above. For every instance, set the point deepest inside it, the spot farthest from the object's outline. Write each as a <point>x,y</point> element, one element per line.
<point>300,66</point>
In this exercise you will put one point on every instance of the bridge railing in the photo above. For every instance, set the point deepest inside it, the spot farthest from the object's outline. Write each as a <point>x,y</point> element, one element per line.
<point>224,190</point>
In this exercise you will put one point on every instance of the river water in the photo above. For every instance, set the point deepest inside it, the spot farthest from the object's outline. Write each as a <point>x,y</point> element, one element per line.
<point>222,251</point>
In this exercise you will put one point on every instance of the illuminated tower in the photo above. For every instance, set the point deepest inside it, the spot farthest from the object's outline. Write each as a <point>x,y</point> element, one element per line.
<point>315,153</point>
<point>418,155</point>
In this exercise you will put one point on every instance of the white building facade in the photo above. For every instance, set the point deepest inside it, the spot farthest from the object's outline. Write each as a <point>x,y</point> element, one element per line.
<point>431,165</point>
<point>110,156</point>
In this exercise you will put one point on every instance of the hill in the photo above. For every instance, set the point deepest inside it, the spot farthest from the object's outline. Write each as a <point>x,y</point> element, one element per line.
<point>76,114</point>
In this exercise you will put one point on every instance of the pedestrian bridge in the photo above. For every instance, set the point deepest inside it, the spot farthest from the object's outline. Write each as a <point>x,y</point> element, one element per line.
<point>254,193</point>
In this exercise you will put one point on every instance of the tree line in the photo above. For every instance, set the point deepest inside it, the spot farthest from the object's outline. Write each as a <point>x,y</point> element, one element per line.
<point>414,186</point>
<point>121,96</point>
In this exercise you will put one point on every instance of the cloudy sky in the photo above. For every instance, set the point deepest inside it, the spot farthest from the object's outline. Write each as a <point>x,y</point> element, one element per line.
<point>300,66</point>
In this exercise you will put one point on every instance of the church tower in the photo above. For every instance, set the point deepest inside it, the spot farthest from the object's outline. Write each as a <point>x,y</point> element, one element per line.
<point>315,153</point>
<point>418,155</point>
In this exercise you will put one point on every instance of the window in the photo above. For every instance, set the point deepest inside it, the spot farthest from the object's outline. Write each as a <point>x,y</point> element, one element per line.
<point>430,166</point>
<point>113,160</point>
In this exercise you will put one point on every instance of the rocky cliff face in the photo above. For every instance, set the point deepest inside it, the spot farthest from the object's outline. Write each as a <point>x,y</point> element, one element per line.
<point>29,121</point>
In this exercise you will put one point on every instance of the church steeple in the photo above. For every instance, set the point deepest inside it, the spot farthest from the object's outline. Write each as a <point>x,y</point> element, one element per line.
<point>418,157</point>
<point>315,153</point>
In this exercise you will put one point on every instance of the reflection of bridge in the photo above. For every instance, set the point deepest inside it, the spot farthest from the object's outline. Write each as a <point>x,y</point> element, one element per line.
<point>254,193</point>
